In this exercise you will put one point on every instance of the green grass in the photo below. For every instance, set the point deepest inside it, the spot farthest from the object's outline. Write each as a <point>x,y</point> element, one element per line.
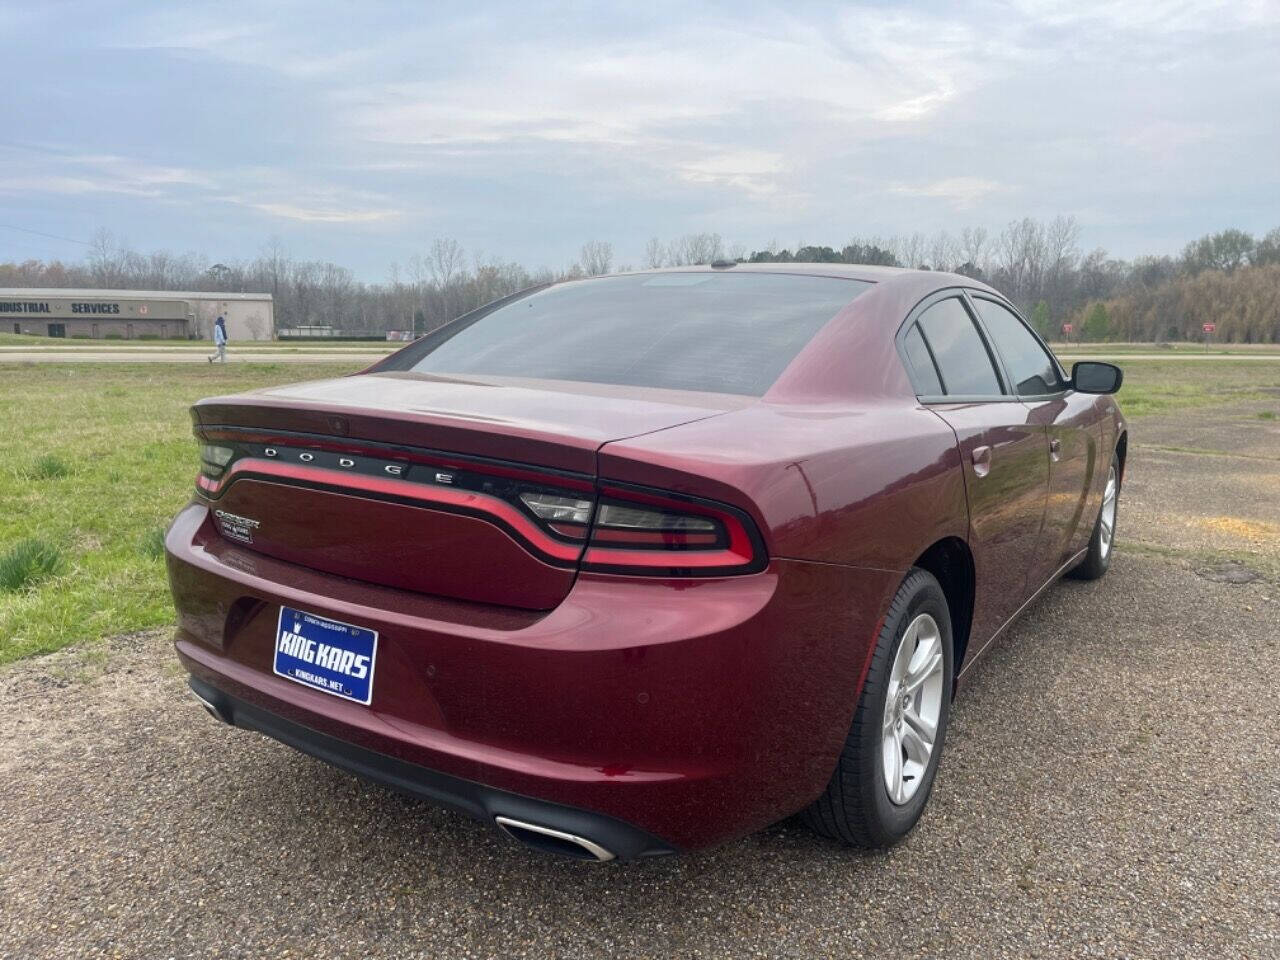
<point>152,543</point>
<point>116,343</point>
<point>28,562</point>
<point>1267,415</point>
<point>1158,386</point>
<point>48,466</point>
<point>95,459</point>
<point>31,340</point>
<point>1075,349</point>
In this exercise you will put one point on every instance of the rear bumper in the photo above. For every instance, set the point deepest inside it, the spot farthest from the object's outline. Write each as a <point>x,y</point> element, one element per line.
<point>671,714</point>
<point>620,840</point>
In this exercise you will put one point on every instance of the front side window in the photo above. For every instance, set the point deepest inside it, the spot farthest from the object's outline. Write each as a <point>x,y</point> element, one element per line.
<point>1029,365</point>
<point>964,364</point>
<point>711,332</point>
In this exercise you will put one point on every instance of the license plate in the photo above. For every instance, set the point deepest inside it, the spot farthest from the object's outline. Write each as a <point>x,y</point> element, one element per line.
<point>326,655</point>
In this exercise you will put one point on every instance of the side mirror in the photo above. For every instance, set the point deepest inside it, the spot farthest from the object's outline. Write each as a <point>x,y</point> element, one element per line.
<point>1092,376</point>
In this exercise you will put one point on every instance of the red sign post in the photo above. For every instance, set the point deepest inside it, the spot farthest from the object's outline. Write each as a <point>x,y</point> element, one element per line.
<point>1209,329</point>
<point>1066,331</point>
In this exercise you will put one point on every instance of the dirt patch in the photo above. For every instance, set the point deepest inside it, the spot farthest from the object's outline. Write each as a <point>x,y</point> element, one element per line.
<point>1232,428</point>
<point>1254,531</point>
<point>1229,573</point>
<point>1205,486</point>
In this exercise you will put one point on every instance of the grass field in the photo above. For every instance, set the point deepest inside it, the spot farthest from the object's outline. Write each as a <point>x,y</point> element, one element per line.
<point>257,346</point>
<point>94,462</point>
<point>1158,386</point>
<point>1075,349</point>
<point>96,458</point>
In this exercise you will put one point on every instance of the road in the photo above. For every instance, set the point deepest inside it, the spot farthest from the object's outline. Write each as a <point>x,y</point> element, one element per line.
<point>1108,790</point>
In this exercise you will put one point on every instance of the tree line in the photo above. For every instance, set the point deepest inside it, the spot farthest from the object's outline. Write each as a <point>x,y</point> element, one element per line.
<point>1229,278</point>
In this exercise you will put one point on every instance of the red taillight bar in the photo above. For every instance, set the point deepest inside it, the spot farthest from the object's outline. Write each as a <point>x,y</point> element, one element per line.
<point>738,551</point>
<point>703,538</point>
<point>444,498</point>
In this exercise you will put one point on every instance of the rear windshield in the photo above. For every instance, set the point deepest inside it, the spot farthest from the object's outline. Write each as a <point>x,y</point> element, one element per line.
<point>714,332</point>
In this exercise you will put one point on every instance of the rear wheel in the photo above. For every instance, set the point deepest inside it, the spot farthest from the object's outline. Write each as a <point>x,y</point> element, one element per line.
<point>1098,560</point>
<point>886,770</point>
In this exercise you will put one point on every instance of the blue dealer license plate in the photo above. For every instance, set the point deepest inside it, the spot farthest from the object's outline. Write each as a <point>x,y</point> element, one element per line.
<point>334,657</point>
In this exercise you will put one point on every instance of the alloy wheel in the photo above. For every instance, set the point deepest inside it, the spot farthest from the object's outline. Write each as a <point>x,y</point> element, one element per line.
<point>1108,517</point>
<point>913,705</point>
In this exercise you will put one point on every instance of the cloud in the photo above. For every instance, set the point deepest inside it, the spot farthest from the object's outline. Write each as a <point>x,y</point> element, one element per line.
<point>525,129</point>
<point>752,171</point>
<point>962,193</point>
<point>52,171</point>
<point>70,186</point>
<point>661,96</point>
<point>291,211</point>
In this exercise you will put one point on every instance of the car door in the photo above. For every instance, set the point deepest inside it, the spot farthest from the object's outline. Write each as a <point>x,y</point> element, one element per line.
<point>1070,419</point>
<point>1003,449</point>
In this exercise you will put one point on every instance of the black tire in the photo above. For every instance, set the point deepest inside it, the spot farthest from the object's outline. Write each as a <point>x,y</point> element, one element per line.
<point>1097,560</point>
<point>856,808</point>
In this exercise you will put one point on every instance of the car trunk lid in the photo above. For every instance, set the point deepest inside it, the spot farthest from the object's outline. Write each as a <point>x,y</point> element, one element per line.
<point>416,481</point>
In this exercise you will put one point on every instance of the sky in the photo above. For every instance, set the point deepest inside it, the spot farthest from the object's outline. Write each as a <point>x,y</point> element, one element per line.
<point>359,132</point>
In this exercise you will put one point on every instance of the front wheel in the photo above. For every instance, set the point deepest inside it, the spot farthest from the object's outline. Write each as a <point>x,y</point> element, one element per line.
<point>885,771</point>
<point>1097,560</point>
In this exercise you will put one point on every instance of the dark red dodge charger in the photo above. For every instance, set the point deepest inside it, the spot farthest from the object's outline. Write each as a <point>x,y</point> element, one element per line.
<point>638,564</point>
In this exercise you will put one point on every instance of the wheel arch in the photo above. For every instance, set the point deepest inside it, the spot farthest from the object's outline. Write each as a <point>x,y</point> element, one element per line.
<point>951,562</point>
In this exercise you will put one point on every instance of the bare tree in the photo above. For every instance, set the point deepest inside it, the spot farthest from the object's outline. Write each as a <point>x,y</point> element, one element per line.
<point>944,252</point>
<point>654,253</point>
<point>1061,253</point>
<point>973,246</point>
<point>1021,251</point>
<point>445,259</point>
<point>106,259</point>
<point>403,299</point>
<point>1061,239</point>
<point>695,248</point>
<point>273,262</point>
<point>597,257</point>
<point>911,251</point>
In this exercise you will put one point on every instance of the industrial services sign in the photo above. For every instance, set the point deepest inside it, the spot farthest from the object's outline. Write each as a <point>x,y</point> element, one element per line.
<point>42,306</point>
<point>24,306</point>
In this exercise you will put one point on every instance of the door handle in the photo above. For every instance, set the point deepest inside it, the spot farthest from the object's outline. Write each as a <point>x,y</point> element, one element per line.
<point>981,460</point>
<point>1055,449</point>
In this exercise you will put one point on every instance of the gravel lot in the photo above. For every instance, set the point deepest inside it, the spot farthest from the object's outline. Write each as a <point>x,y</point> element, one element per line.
<point>1110,788</point>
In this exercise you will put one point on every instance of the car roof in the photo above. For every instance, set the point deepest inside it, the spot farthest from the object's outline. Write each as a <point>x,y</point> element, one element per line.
<point>847,271</point>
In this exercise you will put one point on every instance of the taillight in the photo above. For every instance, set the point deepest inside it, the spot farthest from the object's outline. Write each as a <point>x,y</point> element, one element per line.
<point>561,518</point>
<point>556,509</point>
<point>214,460</point>
<point>643,532</point>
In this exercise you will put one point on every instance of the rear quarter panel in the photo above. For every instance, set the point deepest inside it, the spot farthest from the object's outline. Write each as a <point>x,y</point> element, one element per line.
<point>870,485</point>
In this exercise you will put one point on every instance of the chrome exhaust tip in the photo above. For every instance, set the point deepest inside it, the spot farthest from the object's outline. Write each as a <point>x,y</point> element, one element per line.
<point>210,708</point>
<point>549,840</point>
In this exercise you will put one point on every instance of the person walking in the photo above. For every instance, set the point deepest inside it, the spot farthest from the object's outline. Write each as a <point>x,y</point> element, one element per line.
<point>219,341</point>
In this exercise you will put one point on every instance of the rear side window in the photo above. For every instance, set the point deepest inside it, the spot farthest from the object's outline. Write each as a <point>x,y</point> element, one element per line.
<point>964,364</point>
<point>1028,363</point>
<point>714,332</point>
<point>924,373</point>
